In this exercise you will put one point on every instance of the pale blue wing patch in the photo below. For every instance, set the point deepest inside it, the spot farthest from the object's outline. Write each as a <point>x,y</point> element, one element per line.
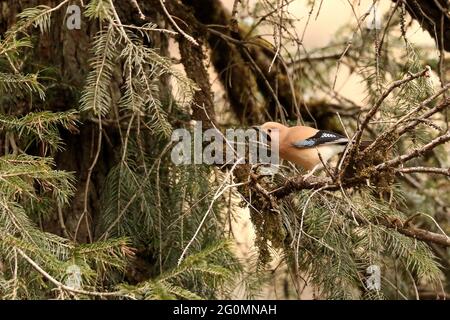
<point>304,143</point>
<point>322,137</point>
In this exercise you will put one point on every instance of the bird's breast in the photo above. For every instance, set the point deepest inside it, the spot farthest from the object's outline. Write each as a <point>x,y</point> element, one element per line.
<point>308,158</point>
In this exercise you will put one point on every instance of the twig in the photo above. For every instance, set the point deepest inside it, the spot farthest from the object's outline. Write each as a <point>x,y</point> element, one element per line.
<point>136,5</point>
<point>444,171</point>
<point>356,141</point>
<point>217,195</point>
<point>416,233</point>
<point>233,21</point>
<point>88,181</point>
<point>64,287</point>
<point>128,26</point>
<point>415,153</point>
<point>62,224</point>
<point>175,25</point>
<point>15,279</point>
<point>277,32</point>
<point>388,22</point>
<point>305,206</point>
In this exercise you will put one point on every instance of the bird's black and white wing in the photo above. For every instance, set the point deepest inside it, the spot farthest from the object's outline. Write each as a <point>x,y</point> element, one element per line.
<point>322,137</point>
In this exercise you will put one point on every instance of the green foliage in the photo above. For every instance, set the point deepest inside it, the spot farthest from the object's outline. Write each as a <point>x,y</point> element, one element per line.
<point>333,250</point>
<point>20,84</point>
<point>204,268</point>
<point>146,220</point>
<point>38,17</point>
<point>98,9</point>
<point>97,95</point>
<point>41,127</point>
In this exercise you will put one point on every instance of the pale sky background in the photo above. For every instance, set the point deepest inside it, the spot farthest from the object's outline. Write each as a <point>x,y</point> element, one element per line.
<point>333,15</point>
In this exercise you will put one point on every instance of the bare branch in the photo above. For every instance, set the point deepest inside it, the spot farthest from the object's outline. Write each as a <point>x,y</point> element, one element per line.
<point>175,25</point>
<point>444,171</point>
<point>409,115</point>
<point>415,153</point>
<point>356,141</point>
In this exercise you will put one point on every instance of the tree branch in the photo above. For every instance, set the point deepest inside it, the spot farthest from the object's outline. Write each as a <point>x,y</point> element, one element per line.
<point>416,233</point>
<point>384,95</point>
<point>444,171</point>
<point>429,14</point>
<point>415,152</point>
<point>412,124</point>
<point>62,286</point>
<point>356,140</point>
<point>403,227</point>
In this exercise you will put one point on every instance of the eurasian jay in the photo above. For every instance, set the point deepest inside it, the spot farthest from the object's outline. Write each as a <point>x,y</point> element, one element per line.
<point>302,145</point>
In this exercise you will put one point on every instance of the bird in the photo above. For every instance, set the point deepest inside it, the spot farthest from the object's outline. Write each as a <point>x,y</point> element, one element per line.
<point>302,145</point>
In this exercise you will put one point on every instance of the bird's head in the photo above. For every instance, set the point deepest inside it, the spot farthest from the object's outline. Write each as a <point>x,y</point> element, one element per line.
<point>272,130</point>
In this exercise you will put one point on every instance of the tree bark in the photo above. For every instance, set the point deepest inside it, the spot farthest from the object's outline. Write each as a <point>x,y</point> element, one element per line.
<point>433,16</point>
<point>68,52</point>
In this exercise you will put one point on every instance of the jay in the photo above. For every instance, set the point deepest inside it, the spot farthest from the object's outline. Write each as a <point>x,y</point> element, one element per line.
<point>302,145</point>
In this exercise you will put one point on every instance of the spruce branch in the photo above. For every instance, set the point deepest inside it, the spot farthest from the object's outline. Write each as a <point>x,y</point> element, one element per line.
<point>62,286</point>
<point>356,140</point>
<point>413,118</point>
<point>297,184</point>
<point>417,152</point>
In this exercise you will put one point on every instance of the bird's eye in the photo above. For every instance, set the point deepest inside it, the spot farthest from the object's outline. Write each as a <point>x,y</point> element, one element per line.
<point>269,130</point>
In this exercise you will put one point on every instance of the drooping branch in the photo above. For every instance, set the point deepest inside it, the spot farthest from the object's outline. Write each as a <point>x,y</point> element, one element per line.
<point>433,16</point>
<point>403,227</point>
